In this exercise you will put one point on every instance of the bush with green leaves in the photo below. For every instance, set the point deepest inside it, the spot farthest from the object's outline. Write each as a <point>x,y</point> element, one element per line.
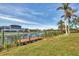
<point>51,33</point>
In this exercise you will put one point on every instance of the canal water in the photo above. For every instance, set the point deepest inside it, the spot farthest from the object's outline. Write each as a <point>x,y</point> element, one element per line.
<point>10,39</point>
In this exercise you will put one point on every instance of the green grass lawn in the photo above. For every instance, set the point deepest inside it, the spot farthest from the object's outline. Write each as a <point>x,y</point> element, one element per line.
<point>55,46</point>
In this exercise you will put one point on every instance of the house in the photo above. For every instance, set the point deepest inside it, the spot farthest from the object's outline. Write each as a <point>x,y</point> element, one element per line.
<point>11,28</point>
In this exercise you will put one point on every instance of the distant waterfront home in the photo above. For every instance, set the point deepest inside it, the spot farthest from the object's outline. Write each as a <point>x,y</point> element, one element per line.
<point>11,28</point>
<point>15,27</point>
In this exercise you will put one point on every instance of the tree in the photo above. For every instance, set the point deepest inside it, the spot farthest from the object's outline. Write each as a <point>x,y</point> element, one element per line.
<point>61,25</point>
<point>75,22</point>
<point>68,13</point>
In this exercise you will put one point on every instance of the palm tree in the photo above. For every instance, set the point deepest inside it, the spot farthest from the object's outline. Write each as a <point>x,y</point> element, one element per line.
<point>75,22</point>
<point>61,25</point>
<point>68,13</point>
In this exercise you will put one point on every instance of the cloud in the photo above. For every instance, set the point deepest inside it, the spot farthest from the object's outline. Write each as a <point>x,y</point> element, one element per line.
<point>20,12</point>
<point>17,20</point>
<point>43,26</point>
<point>34,12</point>
<point>25,15</point>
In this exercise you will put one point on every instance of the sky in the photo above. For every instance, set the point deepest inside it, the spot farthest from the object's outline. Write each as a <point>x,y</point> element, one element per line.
<point>32,15</point>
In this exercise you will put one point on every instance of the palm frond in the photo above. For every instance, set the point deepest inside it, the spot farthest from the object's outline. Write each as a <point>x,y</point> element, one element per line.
<point>75,15</point>
<point>65,5</point>
<point>60,8</point>
<point>69,8</point>
<point>60,22</point>
<point>69,20</point>
<point>62,16</point>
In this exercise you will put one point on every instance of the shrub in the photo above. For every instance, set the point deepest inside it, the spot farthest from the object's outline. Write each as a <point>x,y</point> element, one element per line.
<point>51,33</point>
<point>1,48</point>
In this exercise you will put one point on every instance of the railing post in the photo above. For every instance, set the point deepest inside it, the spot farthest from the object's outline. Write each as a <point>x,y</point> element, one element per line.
<point>2,36</point>
<point>29,35</point>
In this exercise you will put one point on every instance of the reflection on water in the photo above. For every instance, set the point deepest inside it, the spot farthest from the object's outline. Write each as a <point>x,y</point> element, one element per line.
<point>9,39</point>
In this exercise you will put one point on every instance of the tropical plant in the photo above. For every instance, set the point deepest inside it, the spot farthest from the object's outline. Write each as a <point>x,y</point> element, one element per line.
<point>75,22</point>
<point>68,13</point>
<point>61,25</point>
